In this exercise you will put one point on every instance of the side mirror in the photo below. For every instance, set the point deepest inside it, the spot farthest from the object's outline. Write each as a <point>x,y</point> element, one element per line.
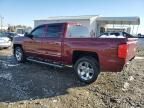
<point>28,35</point>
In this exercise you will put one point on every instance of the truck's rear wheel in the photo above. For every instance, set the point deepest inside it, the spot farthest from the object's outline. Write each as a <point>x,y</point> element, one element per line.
<point>19,54</point>
<point>87,69</point>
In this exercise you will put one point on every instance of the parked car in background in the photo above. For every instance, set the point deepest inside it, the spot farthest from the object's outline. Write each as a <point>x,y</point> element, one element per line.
<point>69,44</point>
<point>116,35</point>
<point>20,31</point>
<point>10,35</point>
<point>5,42</point>
<point>140,35</point>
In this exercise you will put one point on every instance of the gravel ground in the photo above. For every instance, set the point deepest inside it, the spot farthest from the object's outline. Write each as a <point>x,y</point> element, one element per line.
<point>140,51</point>
<point>32,85</point>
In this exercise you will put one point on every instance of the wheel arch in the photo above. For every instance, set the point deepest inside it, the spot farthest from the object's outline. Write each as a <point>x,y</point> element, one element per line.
<point>16,45</point>
<point>78,54</point>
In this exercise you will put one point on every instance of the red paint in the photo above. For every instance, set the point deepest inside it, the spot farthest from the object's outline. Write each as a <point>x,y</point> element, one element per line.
<point>113,53</point>
<point>122,51</point>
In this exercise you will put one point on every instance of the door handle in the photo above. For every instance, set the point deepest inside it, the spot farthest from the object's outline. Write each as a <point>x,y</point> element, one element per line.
<point>54,43</point>
<point>57,43</point>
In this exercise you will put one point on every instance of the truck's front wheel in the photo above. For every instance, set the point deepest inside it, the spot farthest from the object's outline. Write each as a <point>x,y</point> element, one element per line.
<point>87,69</point>
<point>19,54</point>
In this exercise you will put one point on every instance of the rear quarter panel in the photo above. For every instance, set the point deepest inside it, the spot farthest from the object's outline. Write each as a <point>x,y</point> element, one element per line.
<point>132,46</point>
<point>106,49</point>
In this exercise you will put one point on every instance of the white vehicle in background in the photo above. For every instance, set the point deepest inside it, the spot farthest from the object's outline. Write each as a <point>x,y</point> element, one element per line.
<point>116,35</point>
<point>20,31</point>
<point>5,42</point>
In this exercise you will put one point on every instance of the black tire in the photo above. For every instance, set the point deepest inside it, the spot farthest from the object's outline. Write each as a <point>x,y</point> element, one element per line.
<point>22,58</point>
<point>6,47</point>
<point>93,65</point>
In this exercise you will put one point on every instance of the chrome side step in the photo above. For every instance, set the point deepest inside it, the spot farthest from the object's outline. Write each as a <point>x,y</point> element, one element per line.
<point>46,63</point>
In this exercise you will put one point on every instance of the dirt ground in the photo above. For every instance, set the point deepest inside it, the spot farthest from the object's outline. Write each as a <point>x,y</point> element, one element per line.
<point>32,85</point>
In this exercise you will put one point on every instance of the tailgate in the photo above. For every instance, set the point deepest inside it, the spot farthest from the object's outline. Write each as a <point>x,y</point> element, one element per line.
<point>132,45</point>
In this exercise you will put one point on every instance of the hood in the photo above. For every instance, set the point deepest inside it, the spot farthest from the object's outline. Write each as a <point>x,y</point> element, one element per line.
<point>18,39</point>
<point>4,39</point>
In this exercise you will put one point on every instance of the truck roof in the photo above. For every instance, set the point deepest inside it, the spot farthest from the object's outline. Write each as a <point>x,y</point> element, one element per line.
<point>70,23</point>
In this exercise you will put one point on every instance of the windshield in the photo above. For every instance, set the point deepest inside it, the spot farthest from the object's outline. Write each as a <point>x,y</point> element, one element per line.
<point>116,34</point>
<point>2,34</point>
<point>127,35</point>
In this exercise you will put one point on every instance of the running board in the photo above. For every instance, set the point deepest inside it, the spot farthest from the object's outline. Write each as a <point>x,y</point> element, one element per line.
<point>46,63</point>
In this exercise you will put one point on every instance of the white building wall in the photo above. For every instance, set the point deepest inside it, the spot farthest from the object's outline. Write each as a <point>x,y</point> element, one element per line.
<point>93,26</point>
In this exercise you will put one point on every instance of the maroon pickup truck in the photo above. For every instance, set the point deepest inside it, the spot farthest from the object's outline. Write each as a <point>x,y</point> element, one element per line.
<point>69,44</point>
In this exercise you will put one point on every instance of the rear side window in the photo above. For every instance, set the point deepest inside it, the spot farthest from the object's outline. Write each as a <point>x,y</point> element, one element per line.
<point>78,31</point>
<point>54,30</point>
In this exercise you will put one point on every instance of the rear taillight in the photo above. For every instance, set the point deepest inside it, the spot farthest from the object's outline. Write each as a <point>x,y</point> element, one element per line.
<point>122,51</point>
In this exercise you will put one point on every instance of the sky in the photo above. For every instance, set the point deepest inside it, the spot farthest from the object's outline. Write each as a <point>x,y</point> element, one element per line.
<point>26,11</point>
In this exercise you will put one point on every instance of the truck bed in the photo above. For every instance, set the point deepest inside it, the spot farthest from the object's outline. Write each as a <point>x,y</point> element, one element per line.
<point>105,48</point>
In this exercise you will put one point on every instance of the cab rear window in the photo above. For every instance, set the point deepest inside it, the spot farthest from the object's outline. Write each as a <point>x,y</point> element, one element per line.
<point>78,31</point>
